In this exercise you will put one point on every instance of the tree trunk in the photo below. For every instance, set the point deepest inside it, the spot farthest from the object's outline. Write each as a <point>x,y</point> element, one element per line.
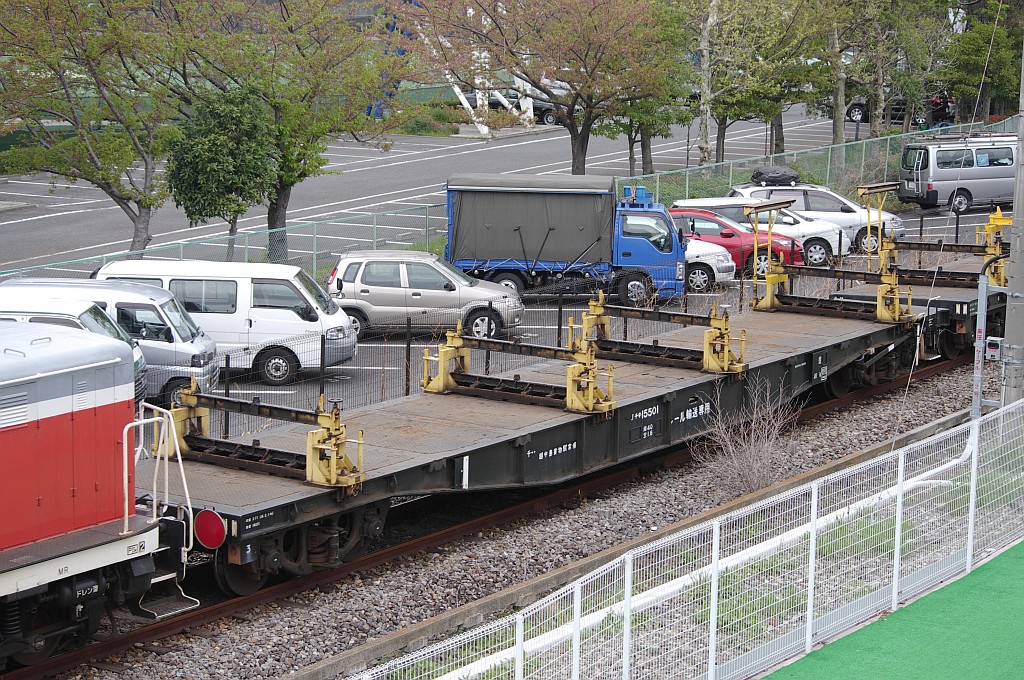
<point>277,214</point>
<point>778,134</point>
<point>704,138</point>
<point>723,126</point>
<point>579,140</point>
<point>631,142</point>
<point>645,152</point>
<point>839,93</point>
<point>984,103</point>
<point>140,230</point>
<point>232,232</point>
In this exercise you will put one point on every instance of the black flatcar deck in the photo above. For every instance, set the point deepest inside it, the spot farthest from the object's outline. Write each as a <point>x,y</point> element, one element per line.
<point>430,443</point>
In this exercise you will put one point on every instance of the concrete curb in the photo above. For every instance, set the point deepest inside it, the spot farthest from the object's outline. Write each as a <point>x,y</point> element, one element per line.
<point>467,616</point>
<point>470,132</point>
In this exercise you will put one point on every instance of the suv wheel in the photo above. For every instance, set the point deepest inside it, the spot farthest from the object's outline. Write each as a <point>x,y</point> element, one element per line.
<point>817,252</point>
<point>358,322</point>
<point>857,113</point>
<point>549,117</point>
<point>482,324</point>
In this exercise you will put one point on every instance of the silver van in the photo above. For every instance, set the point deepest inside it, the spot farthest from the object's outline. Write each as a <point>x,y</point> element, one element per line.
<point>382,288</point>
<point>176,349</point>
<point>22,306</point>
<point>959,171</point>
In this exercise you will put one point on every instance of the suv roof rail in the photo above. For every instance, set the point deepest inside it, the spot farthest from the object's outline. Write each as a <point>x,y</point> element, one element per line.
<point>965,136</point>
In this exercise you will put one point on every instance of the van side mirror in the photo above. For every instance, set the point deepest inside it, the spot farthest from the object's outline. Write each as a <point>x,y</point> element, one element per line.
<point>680,235</point>
<point>449,286</point>
<point>307,313</point>
<point>168,336</point>
<point>337,284</point>
<point>847,209</point>
<point>786,219</point>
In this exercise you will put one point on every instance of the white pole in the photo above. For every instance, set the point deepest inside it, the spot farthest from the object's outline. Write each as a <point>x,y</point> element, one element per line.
<point>519,647</point>
<point>898,533</point>
<point>975,444</point>
<point>811,564</point>
<point>716,537</point>
<point>627,613</point>
<point>577,614</point>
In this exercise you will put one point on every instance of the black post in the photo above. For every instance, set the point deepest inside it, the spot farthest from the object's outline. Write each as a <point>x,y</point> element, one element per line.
<point>408,353</point>
<point>323,364</point>
<point>792,260</point>
<point>625,328</point>
<point>227,391</point>
<point>561,311</point>
<point>957,227</point>
<point>920,236</point>
<point>487,353</point>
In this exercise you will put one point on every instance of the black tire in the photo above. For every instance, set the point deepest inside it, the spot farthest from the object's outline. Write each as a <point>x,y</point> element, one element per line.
<point>277,366</point>
<point>817,252</point>
<point>634,290</point>
<point>359,323</point>
<point>482,324</point>
<point>960,201</point>
<point>169,395</point>
<point>549,117</point>
<point>762,264</point>
<point>699,278</point>
<point>510,280</point>
<point>857,113</point>
<point>866,245</point>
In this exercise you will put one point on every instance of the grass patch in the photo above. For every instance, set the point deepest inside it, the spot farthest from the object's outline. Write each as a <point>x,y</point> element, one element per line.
<point>863,535</point>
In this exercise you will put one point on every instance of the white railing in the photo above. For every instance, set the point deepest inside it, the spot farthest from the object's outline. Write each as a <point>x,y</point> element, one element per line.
<point>736,595</point>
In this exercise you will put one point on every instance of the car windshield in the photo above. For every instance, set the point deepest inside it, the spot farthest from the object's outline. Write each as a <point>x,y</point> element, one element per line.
<point>180,319</point>
<point>97,321</point>
<point>313,289</point>
<point>456,274</point>
<point>745,228</point>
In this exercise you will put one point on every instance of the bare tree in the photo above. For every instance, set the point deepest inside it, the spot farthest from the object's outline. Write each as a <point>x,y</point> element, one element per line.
<point>747,446</point>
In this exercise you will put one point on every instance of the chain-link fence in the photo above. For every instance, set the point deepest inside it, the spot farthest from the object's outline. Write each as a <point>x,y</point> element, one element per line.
<point>841,167</point>
<point>739,594</point>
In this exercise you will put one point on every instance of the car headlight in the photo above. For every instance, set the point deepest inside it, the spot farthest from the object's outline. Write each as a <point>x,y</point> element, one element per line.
<point>337,333</point>
<point>896,223</point>
<point>201,359</point>
<point>784,242</point>
<point>724,258</point>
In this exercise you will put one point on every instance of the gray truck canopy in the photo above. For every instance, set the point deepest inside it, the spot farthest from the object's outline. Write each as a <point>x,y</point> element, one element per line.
<point>531,217</point>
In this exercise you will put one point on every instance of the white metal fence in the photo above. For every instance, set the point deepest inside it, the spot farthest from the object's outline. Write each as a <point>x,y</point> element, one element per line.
<point>739,594</point>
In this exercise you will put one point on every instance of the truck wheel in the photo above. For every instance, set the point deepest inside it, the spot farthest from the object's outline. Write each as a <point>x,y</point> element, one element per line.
<point>857,113</point>
<point>699,278</point>
<point>171,395</point>
<point>277,366</point>
<point>483,324</point>
<point>960,202</point>
<point>549,117</point>
<point>510,280</point>
<point>634,290</point>
<point>817,252</point>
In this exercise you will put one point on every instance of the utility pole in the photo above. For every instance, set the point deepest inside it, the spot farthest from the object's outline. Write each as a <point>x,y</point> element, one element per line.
<point>1014,340</point>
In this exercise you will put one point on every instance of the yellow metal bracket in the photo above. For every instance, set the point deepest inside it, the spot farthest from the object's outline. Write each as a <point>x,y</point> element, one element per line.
<point>869,195</point>
<point>327,463</point>
<point>452,357</point>
<point>995,228</point>
<point>888,307</point>
<point>718,354</point>
<point>774,276</point>
<point>188,417</point>
<point>597,323</point>
<point>582,393</point>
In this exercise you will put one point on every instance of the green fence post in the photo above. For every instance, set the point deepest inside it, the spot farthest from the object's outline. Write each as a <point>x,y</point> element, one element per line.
<point>316,272</point>
<point>246,246</point>
<point>657,187</point>
<point>687,192</point>
<point>374,231</point>
<point>181,251</point>
<point>730,173</point>
<point>863,157</point>
<point>885,174</point>
<point>426,228</point>
<point>828,167</point>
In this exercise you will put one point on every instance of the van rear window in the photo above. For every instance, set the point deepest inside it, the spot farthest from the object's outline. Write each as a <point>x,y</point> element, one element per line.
<point>954,158</point>
<point>206,297</point>
<point>910,157</point>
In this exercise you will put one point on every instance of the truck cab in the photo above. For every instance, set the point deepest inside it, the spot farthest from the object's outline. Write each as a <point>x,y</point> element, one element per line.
<point>651,256</point>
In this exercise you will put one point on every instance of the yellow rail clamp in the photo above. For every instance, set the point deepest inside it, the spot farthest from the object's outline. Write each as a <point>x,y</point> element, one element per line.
<point>452,357</point>
<point>188,417</point>
<point>718,354</point>
<point>582,393</point>
<point>597,323</point>
<point>327,463</point>
<point>869,195</point>
<point>997,226</point>
<point>774,277</point>
<point>887,297</point>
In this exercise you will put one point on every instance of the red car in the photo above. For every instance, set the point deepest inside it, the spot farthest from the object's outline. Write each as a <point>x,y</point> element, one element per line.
<point>738,239</point>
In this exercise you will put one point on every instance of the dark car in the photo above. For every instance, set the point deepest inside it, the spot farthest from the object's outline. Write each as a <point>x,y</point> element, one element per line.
<point>544,112</point>
<point>933,110</point>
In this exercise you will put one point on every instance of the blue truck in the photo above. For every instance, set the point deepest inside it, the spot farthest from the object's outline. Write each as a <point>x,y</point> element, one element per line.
<point>531,232</point>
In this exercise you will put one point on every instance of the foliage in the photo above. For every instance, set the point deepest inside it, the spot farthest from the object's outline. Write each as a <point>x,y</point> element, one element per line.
<point>586,57</point>
<point>225,160</point>
<point>741,606</point>
<point>976,72</point>
<point>863,534</point>
<point>995,489</point>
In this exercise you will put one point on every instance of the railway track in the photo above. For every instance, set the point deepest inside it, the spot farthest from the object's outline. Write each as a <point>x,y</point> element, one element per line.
<point>147,636</point>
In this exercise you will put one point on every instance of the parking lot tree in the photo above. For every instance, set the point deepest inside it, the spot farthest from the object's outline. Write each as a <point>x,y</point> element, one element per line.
<point>984,64</point>
<point>72,78</point>
<point>323,69</point>
<point>587,58</point>
<point>225,160</point>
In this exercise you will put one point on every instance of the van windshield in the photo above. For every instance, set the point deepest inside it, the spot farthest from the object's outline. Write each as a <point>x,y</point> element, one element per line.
<point>313,290</point>
<point>97,321</point>
<point>180,319</point>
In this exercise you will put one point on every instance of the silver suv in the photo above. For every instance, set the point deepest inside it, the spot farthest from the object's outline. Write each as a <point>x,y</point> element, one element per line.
<point>384,288</point>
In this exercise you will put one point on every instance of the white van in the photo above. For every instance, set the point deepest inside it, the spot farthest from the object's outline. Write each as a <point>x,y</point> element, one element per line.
<point>267,316</point>
<point>22,306</point>
<point>175,347</point>
<point>959,171</point>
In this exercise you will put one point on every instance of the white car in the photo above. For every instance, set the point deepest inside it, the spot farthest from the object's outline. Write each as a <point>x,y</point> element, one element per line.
<point>821,239</point>
<point>811,200</point>
<point>707,265</point>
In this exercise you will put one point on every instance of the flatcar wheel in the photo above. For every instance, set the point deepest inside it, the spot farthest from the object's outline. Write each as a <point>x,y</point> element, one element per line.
<point>837,385</point>
<point>236,579</point>
<point>39,619</point>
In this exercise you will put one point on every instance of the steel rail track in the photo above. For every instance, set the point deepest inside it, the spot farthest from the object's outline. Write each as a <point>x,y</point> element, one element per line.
<point>186,623</point>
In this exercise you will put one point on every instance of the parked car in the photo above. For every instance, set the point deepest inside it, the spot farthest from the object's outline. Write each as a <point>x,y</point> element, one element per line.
<point>820,239</point>
<point>543,111</point>
<point>383,288</point>
<point>959,171</point>
<point>710,227</point>
<point>175,348</point>
<point>933,110</point>
<point>267,316</point>
<point>818,202</point>
<point>707,265</point>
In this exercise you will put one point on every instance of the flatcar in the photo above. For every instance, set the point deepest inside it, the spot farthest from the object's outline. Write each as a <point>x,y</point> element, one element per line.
<point>72,544</point>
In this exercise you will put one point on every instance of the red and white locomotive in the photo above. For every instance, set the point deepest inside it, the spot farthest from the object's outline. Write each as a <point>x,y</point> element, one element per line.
<point>71,543</point>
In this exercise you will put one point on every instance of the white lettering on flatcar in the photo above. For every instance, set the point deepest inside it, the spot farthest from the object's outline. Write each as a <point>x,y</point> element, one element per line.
<point>648,412</point>
<point>551,452</point>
